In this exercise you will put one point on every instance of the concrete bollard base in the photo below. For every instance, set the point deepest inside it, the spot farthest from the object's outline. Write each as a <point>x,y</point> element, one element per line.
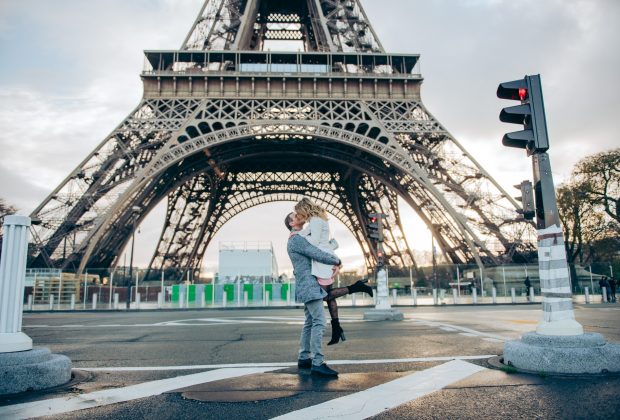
<point>32,370</point>
<point>587,353</point>
<point>383,315</point>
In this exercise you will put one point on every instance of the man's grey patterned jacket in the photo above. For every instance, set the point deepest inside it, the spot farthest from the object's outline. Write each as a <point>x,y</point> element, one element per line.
<point>301,253</point>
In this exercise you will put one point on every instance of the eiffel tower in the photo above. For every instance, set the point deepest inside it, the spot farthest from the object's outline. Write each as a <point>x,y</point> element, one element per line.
<point>226,124</point>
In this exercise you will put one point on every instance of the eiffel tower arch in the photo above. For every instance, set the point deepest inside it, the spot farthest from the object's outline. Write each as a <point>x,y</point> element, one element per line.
<point>226,124</point>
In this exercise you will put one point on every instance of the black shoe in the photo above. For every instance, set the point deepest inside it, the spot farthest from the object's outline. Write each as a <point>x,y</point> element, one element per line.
<point>337,333</point>
<point>304,363</point>
<point>360,286</point>
<point>324,370</point>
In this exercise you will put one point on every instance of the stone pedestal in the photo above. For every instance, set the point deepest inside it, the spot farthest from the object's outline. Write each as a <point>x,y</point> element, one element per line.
<point>32,370</point>
<point>570,354</point>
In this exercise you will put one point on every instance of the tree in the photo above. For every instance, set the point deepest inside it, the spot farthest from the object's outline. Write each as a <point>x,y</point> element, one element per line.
<point>582,224</point>
<point>588,208</point>
<point>600,175</point>
<point>5,210</point>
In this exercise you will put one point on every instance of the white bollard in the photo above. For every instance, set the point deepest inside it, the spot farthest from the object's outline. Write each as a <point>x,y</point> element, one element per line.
<point>12,280</point>
<point>604,294</point>
<point>455,297</point>
<point>394,295</point>
<point>51,302</point>
<point>181,299</point>
<point>531,294</point>
<point>414,293</point>
<point>353,300</point>
<point>494,294</point>
<point>474,295</point>
<point>94,300</point>
<point>587,291</point>
<point>245,298</point>
<point>73,301</point>
<point>203,300</point>
<point>158,300</point>
<point>138,296</point>
<point>224,300</point>
<point>115,300</point>
<point>513,295</point>
<point>435,297</point>
<point>29,303</point>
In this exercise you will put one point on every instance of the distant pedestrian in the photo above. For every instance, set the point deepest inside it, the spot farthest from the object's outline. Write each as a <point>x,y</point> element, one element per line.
<point>612,286</point>
<point>527,284</point>
<point>605,289</point>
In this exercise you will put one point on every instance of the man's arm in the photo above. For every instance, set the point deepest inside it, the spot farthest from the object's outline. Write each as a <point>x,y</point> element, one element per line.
<point>305,248</point>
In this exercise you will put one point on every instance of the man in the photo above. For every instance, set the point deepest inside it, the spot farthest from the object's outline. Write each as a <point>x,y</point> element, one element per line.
<point>612,288</point>
<point>308,292</point>
<point>528,285</point>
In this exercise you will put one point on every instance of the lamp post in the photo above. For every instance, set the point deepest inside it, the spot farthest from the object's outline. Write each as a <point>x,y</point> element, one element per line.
<point>135,210</point>
<point>434,258</point>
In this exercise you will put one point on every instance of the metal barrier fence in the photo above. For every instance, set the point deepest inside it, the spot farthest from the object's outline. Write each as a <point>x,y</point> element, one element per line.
<point>441,285</point>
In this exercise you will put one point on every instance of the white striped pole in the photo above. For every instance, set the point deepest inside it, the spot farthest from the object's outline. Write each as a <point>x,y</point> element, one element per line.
<point>12,280</point>
<point>557,304</point>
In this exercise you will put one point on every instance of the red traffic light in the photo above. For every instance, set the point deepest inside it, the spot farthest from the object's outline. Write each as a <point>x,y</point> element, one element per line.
<point>522,94</point>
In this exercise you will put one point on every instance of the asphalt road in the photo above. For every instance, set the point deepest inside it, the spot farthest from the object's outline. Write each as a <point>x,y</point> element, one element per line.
<point>114,352</point>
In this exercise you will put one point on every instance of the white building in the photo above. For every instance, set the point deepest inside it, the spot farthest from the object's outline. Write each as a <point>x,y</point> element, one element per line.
<point>247,261</point>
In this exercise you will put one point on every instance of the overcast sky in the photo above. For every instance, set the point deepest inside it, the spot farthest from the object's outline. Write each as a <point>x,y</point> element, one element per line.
<point>69,73</point>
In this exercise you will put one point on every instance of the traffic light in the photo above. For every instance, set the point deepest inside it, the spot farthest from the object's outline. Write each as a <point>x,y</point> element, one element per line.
<point>531,113</point>
<point>527,200</point>
<point>375,227</point>
<point>380,258</point>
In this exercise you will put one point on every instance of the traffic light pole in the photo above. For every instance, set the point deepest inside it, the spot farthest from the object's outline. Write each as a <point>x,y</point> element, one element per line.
<point>559,344</point>
<point>558,314</point>
<point>383,310</point>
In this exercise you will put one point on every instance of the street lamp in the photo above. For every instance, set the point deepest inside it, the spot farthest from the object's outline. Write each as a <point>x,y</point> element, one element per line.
<point>434,258</point>
<point>135,210</point>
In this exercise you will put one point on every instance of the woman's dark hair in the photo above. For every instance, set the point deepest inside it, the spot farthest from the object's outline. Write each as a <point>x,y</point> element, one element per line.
<point>287,221</point>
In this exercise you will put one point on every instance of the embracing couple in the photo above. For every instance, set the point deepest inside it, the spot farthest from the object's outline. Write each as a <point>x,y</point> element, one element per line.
<point>315,265</point>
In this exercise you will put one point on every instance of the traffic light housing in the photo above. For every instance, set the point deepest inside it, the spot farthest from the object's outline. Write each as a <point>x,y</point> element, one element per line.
<point>527,200</point>
<point>531,114</point>
<point>375,227</point>
<point>380,257</point>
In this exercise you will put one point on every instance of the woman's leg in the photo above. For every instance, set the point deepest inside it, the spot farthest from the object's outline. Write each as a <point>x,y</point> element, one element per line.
<point>332,306</point>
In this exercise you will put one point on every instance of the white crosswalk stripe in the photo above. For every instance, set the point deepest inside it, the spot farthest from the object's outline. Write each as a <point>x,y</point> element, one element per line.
<point>378,399</point>
<point>112,396</point>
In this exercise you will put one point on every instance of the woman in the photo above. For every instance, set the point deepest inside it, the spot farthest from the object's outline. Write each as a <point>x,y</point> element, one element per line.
<point>317,233</point>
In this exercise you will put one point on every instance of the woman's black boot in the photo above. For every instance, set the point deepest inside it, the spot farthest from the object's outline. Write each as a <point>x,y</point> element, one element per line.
<point>337,333</point>
<point>360,286</point>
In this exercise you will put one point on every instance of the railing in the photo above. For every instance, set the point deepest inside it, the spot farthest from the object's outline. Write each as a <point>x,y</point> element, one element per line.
<point>269,63</point>
<point>445,285</point>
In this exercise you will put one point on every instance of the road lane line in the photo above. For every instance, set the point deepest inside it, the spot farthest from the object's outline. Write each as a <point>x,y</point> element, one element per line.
<point>463,329</point>
<point>285,364</point>
<point>56,406</point>
<point>378,399</point>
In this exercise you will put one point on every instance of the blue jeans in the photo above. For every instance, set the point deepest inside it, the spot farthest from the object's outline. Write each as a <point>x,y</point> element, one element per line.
<point>312,332</point>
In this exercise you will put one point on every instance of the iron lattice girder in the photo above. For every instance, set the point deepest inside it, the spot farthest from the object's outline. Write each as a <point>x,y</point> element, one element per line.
<point>322,25</point>
<point>244,186</point>
<point>70,211</point>
<point>426,147</point>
